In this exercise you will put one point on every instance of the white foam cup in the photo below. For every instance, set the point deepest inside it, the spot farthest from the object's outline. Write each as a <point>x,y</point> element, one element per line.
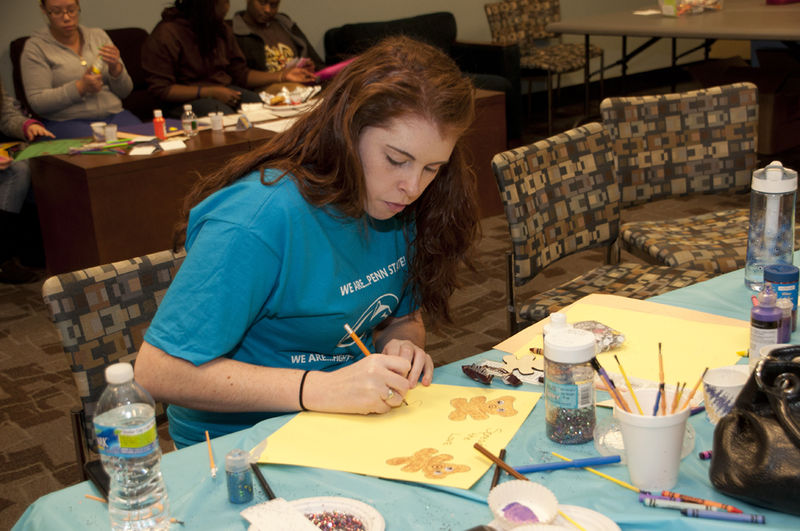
<point>98,131</point>
<point>721,386</point>
<point>110,131</point>
<point>653,443</point>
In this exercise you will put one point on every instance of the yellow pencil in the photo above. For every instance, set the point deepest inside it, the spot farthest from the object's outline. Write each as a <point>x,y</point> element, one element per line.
<point>605,476</point>
<point>96,498</point>
<point>694,389</point>
<point>211,457</point>
<point>630,387</point>
<point>361,345</point>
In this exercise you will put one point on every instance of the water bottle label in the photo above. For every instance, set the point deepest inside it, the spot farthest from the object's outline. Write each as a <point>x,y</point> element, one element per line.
<point>133,441</point>
<point>569,396</point>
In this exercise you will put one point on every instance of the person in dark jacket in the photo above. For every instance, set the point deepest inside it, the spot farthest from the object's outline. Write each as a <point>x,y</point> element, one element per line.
<point>270,40</point>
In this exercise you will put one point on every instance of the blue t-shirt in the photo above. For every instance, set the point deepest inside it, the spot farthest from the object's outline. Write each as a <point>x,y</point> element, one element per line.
<point>271,280</point>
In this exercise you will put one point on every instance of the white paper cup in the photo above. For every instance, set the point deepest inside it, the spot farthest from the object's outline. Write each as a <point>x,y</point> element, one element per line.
<point>216,121</point>
<point>98,131</point>
<point>721,386</point>
<point>764,352</point>
<point>653,443</point>
<point>110,131</point>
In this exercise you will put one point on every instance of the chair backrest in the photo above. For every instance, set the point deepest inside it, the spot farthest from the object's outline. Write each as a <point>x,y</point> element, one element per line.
<point>101,314</point>
<point>129,41</point>
<point>522,21</point>
<point>670,145</point>
<point>560,197</point>
<point>343,42</point>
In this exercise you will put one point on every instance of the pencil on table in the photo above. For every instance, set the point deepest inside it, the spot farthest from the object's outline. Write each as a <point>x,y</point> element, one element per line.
<point>694,389</point>
<point>661,390</point>
<point>628,384</point>
<point>361,345</point>
<point>211,457</point>
<point>499,462</point>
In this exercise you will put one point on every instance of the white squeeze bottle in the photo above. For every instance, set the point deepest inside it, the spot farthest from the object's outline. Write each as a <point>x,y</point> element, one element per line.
<point>125,427</point>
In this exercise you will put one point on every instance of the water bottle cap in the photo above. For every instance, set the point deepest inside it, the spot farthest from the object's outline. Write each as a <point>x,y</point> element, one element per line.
<point>187,107</point>
<point>569,345</point>
<point>781,273</point>
<point>157,113</point>
<point>774,179</point>
<point>237,460</point>
<point>119,373</point>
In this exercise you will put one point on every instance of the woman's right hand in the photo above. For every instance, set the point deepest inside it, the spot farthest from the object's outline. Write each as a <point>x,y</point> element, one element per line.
<point>224,94</point>
<point>374,384</point>
<point>90,83</point>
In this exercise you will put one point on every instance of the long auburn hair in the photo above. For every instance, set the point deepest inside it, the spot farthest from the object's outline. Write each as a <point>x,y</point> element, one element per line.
<point>397,77</point>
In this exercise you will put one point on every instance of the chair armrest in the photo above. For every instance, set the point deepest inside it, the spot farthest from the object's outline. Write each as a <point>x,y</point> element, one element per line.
<point>488,58</point>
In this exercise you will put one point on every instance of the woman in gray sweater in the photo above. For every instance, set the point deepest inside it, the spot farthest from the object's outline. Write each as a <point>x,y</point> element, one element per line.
<point>73,75</point>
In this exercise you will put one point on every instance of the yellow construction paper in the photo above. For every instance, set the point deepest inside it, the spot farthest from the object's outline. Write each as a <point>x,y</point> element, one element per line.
<point>429,441</point>
<point>690,340</point>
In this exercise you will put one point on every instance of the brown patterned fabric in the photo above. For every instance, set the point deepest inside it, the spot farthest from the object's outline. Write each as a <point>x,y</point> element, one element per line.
<point>677,144</point>
<point>671,145</point>
<point>101,314</point>
<point>524,22</point>
<point>561,196</point>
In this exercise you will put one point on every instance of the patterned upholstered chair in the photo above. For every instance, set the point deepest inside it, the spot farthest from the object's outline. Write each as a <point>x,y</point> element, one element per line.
<point>561,197</point>
<point>101,314</point>
<point>669,145</point>
<point>524,22</point>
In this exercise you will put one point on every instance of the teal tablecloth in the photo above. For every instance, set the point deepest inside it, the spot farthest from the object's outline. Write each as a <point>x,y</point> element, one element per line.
<point>202,503</point>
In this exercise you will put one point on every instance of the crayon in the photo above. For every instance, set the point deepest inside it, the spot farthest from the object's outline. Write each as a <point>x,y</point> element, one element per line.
<point>684,497</point>
<point>705,456</point>
<point>732,517</point>
<point>675,504</point>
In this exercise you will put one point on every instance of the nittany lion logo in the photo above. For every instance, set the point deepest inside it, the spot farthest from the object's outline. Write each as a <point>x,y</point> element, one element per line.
<point>374,314</point>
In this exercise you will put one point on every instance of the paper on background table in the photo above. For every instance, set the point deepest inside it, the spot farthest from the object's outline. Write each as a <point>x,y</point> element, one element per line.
<point>363,443</point>
<point>690,340</point>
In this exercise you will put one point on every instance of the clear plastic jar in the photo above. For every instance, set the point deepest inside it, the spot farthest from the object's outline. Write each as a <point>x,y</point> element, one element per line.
<point>569,385</point>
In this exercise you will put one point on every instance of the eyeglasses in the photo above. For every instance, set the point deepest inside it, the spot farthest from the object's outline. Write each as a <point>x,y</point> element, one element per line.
<point>71,11</point>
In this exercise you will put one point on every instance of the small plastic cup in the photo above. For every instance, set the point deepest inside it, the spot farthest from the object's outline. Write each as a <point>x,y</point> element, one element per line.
<point>216,121</point>
<point>110,131</point>
<point>721,386</point>
<point>653,443</point>
<point>98,131</point>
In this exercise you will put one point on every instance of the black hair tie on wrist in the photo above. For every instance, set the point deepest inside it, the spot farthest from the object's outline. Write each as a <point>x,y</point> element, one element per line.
<point>300,393</point>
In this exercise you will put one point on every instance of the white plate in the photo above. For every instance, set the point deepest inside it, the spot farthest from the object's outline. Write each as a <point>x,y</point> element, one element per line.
<point>283,110</point>
<point>368,515</point>
<point>588,519</point>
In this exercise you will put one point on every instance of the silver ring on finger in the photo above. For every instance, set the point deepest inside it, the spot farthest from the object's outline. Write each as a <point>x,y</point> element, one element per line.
<point>389,396</point>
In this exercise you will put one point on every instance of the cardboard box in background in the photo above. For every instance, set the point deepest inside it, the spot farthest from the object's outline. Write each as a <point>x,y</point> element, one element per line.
<point>778,82</point>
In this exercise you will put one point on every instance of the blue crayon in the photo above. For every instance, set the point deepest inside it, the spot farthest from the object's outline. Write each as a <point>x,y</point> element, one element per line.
<point>575,463</point>
<point>721,515</point>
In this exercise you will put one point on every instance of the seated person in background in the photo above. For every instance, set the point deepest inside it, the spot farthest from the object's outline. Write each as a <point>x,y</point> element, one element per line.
<point>270,40</point>
<point>15,185</point>
<point>60,83</point>
<point>359,213</point>
<point>192,57</point>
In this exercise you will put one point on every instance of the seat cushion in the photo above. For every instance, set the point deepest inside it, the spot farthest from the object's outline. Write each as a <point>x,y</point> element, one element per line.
<point>632,280</point>
<point>715,242</point>
<point>558,58</point>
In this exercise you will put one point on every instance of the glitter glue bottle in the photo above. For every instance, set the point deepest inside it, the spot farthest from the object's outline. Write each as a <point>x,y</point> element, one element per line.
<point>785,324</point>
<point>569,385</point>
<point>239,476</point>
<point>765,319</point>
<point>784,279</point>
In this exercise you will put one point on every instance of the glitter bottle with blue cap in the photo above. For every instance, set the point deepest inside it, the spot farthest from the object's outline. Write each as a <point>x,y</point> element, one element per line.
<point>239,476</point>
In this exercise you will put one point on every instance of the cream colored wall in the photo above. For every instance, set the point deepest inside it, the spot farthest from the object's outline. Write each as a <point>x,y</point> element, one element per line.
<point>21,17</point>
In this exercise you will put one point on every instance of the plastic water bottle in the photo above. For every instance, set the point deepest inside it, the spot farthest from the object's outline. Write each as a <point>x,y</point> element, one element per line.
<point>770,237</point>
<point>189,121</point>
<point>125,427</point>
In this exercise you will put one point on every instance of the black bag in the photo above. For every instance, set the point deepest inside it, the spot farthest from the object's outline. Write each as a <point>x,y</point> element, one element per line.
<point>756,453</point>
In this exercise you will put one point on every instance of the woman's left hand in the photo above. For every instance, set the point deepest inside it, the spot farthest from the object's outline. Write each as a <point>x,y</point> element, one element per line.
<point>299,75</point>
<point>111,56</point>
<point>37,129</point>
<point>421,361</point>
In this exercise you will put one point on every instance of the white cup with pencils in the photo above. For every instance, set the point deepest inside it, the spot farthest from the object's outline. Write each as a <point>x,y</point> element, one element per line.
<point>653,443</point>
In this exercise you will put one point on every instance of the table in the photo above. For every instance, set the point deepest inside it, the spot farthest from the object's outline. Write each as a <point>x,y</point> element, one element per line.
<point>738,20</point>
<point>201,502</point>
<point>97,209</point>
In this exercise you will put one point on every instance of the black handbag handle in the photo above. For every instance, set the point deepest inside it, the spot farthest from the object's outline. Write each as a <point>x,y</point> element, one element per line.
<point>780,381</point>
